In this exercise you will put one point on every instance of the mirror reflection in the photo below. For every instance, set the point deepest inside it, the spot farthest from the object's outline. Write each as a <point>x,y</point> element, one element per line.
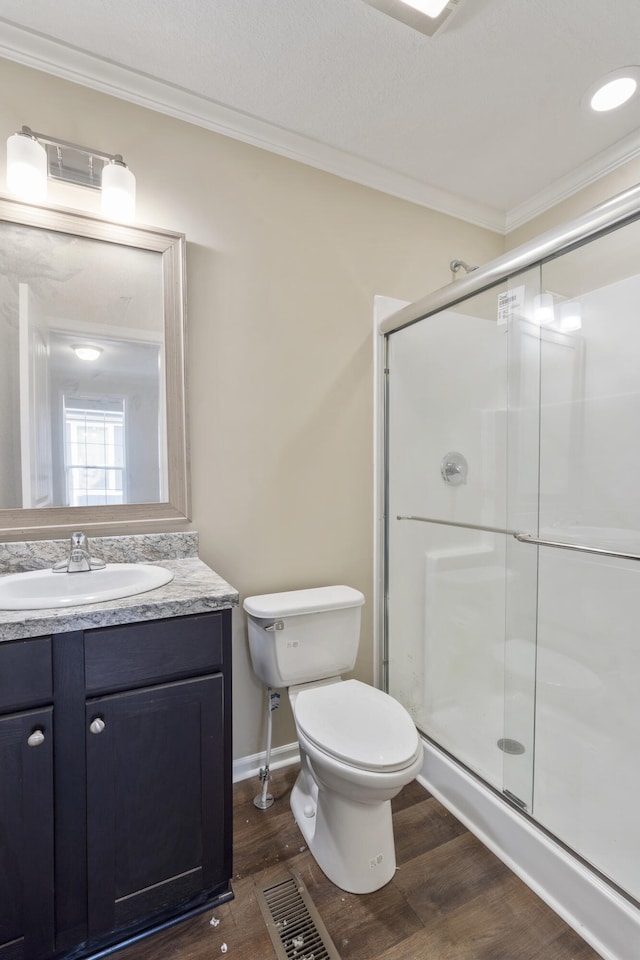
<point>87,321</point>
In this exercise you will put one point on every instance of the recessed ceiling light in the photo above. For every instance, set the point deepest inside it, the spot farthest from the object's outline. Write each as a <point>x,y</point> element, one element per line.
<point>432,8</point>
<point>427,16</point>
<point>613,94</point>
<point>614,89</point>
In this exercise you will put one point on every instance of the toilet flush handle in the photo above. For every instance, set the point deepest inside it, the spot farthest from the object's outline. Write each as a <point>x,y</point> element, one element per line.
<point>278,625</point>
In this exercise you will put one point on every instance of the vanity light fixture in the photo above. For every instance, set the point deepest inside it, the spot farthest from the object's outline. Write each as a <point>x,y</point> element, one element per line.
<point>26,167</point>
<point>86,351</point>
<point>426,16</point>
<point>32,157</point>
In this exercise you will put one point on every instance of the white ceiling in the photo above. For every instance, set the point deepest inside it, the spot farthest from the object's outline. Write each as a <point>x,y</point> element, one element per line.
<point>483,121</point>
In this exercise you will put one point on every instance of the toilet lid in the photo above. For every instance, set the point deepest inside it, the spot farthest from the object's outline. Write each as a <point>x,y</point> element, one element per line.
<point>357,724</point>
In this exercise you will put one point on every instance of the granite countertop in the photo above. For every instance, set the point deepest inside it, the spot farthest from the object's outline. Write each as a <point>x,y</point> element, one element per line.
<point>195,587</point>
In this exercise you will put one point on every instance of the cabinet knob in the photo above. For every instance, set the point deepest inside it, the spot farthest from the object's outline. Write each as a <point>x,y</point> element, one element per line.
<point>97,725</point>
<point>36,738</point>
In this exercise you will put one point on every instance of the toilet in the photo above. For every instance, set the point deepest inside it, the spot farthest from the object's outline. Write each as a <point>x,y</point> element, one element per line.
<point>358,746</point>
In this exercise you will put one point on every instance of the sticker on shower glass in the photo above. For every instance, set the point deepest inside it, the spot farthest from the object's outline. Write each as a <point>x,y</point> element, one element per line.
<point>510,305</point>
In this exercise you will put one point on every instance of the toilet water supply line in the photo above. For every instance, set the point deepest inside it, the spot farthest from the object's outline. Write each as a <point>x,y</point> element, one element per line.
<point>264,799</point>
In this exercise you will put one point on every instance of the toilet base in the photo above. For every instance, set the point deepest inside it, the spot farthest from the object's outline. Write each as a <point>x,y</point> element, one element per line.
<point>351,842</point>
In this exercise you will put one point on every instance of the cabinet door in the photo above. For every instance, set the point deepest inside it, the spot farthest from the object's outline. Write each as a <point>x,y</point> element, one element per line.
<point>155,798</point>
<point>26,836</point>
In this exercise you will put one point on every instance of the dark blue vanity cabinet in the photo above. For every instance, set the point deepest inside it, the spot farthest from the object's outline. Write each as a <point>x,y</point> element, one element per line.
<point>26,800</point>
<point>128,819</point>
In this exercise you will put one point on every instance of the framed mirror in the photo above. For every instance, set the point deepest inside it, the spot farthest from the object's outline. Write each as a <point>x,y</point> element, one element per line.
<point>92,372</point>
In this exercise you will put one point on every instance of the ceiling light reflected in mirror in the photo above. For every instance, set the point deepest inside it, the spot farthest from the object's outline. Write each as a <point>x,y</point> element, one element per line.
<point>86,351</point>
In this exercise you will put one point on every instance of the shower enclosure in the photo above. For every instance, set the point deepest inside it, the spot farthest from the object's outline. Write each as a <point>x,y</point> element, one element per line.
<point>512,543</point>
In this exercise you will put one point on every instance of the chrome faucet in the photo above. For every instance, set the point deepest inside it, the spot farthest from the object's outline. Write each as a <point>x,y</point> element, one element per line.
<point>79,559</point>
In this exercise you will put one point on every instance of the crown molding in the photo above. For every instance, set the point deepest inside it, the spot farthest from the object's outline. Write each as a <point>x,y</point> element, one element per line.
<point>607,161</point>
<point>69,63</point>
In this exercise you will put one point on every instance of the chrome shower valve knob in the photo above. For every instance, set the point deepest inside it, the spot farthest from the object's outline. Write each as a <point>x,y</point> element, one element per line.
<point>454,468</point>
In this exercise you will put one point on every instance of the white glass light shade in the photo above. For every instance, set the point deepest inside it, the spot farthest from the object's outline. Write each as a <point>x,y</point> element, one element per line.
<point>543,309</point>
<point>570,316</point>
<point>26,168</point>
<point>432,8</point>
<point>118,192</point>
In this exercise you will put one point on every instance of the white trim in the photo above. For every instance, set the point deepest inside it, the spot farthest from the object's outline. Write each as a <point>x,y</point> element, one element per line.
<point>604,918</point>
<point>68,62</point>
<point>246,767</point>
<point>383,307</point>
<point>599,166</point>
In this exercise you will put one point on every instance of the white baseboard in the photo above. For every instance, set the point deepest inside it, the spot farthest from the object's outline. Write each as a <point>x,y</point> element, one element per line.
<point>602,916</point>
<point>246,767</point>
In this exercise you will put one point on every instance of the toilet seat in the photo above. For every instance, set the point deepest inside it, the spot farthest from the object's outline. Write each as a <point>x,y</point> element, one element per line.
<point>358,724</point>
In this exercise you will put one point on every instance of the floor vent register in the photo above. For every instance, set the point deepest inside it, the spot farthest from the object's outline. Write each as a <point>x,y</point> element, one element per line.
<point>293,922</point>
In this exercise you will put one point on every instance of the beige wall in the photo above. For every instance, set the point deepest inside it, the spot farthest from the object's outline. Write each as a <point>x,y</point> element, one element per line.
<point>283,264</point>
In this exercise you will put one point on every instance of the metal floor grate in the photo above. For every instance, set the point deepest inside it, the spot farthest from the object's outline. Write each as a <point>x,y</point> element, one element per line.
<point>293,922</point>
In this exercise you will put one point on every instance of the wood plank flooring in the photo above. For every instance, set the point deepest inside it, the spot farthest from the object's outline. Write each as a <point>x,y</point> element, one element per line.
<point>450,899</point>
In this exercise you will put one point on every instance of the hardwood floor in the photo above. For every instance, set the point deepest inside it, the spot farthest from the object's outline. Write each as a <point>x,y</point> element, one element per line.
<point>450,899</point>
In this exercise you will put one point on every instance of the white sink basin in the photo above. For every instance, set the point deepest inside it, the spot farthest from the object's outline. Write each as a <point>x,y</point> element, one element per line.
<point>40,589</point>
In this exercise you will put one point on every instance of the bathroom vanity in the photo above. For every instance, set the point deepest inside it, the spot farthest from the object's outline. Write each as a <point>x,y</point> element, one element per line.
<point>115,764</point>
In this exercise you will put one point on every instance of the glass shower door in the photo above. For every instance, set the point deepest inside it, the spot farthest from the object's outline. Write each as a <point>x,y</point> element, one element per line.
<point>513,541</point>
<point>452,567</point>
<point>588,660</point>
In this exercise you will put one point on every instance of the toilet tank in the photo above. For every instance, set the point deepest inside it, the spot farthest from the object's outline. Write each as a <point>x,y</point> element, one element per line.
<point>304,635</point>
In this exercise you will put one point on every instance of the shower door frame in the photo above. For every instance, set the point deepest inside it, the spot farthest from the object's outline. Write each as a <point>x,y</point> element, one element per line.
<point>610,215</point>
<point>601,912</point>
<point>607,216</point>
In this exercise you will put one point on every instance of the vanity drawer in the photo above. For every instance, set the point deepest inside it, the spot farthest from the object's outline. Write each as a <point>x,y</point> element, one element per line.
<point>123,657</point>
<point>25,674</point>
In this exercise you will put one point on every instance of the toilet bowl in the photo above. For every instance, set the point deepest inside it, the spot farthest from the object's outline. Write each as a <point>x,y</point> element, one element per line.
<point>358,749</point>
<point>358,746</point>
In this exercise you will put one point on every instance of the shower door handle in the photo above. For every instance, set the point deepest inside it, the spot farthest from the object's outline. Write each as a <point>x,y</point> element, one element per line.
<point>579,547</point>
<point>526,537</point>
